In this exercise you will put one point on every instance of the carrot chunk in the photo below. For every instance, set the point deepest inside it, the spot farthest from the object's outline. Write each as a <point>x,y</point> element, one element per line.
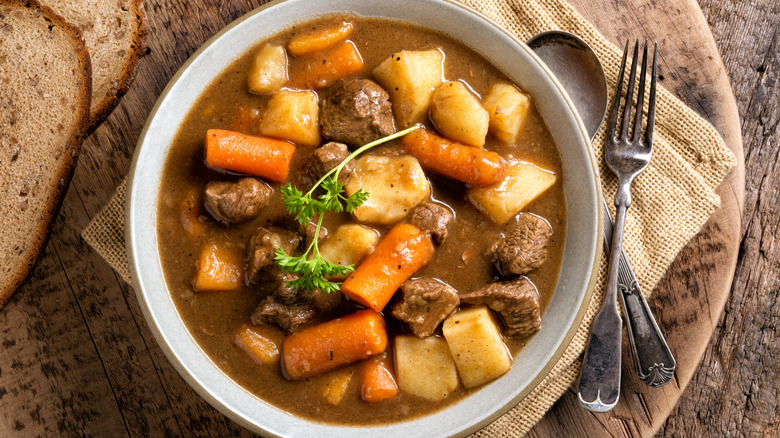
<point>219,269</point>
<point>378,383</point>
<point>319,39</point>
<point>334,343</point>
<point>260,156</point>
<point>468,164</point>
<point>336,385</point>
<point>245,120</point>
<point>331,65</point>
<point>402,252</point>
<point>190,212</point>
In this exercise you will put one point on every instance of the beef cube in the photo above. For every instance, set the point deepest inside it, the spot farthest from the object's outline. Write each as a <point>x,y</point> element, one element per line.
<point>432,217</point>
<point>308,231</point>
<point>289,317</point>
<point>232,202</point>
<point>287,307</point>
<point>291,308</point>
<point>516,301</point>
<point>424,304</point>
<point>356,112</point>
<point>524,248</point>
<point>322,161</point>
<point>327,304</point>
<point>260,253</point>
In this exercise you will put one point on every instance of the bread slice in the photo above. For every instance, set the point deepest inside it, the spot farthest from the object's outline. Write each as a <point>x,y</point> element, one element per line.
<point>45,88</point>
<point>114,32</point>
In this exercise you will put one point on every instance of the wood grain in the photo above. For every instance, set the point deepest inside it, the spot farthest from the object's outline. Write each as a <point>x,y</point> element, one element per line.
<point>687,301</point>
<point>736,390</point>
<point>76,356</point>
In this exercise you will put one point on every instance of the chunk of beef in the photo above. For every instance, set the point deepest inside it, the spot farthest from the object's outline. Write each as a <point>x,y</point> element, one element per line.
<point>286,307</point>
<point>516,300</point>
<point>231,202</point>
<point>524,248</point>
<point>291,308</point>
<point>308,231</point>
<point>356,112</point>
<point>433,217</point>
<point>424,304</point>
<point>327,303</point>
<point>322,160</point>
<point>260,253</point>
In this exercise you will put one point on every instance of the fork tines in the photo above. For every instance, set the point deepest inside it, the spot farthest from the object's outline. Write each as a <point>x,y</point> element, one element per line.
<point>637,128</point>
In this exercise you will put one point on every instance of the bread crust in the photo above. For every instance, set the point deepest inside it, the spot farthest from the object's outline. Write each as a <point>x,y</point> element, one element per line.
<point>138,46</point>
<point>36,242</point>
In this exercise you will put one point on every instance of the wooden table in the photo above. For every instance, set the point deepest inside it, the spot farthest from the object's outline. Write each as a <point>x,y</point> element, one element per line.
<point>76,356</point>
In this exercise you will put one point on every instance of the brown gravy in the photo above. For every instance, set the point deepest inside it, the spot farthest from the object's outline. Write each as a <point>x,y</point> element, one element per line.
<point>213,318</point>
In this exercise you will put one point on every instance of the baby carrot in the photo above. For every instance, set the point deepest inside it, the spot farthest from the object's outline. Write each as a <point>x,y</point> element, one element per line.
<point>190,212</point>
<point>334,343</point>
<point>402,252</point>
<point>336,385</point>
<point>331,65</point>
<point>378,381</point>
<point>319,39</point>
<point>245,121</point>
<point>260,156</point>
<point>468,164</point>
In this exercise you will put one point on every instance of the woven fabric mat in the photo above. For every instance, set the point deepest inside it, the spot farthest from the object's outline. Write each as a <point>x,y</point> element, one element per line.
<point>672,199</point>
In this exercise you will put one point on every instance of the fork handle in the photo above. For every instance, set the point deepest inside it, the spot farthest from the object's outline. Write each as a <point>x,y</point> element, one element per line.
<point>599,386</point>
<point>653,360</point>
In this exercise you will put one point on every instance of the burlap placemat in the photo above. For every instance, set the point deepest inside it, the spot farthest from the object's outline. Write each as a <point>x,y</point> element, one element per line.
<point>671,199</point>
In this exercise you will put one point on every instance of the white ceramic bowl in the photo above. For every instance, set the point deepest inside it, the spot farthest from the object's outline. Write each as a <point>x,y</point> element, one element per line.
<point>581,254</point>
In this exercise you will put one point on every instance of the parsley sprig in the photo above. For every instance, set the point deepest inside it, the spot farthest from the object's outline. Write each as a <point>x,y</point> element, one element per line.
<point>312,269</point>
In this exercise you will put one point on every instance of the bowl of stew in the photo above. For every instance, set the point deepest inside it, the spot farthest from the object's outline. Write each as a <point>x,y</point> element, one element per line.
<point>349,217</point>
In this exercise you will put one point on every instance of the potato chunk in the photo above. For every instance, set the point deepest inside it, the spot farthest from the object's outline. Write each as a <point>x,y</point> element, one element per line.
<point>219,268</point>
<point>425,367</point>
<point>292,115</point>
<point>410,77</point>
<point>458,114</point>
<point>508,108</point>
<point>261,343</point>
<point>521,185</point>
<point>269,70</point>
<point>348,245</point>
<point>474,338</point>
<point>395,185</point>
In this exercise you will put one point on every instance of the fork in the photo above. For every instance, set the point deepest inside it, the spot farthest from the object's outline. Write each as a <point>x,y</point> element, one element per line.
<point>599,386</point>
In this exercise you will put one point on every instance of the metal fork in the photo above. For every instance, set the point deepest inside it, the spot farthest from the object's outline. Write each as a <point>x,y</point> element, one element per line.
<point>599,386</point>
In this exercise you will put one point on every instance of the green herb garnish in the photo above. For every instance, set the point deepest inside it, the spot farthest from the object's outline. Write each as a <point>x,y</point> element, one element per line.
<point>311,268</point>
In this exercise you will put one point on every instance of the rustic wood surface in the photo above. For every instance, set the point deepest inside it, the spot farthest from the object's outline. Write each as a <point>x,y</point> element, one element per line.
<point>720,400</point>
<point>77,358</point>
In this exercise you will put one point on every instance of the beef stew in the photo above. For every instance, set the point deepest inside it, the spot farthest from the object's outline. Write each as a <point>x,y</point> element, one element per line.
<point>228,320</point>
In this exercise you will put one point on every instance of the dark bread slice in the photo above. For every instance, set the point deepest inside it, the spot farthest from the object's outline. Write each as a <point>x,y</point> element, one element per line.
<point>45,88</point>
<point>114,32</point>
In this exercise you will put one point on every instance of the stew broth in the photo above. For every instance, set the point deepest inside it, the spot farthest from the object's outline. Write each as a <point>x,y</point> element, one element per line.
<point>213,318</point>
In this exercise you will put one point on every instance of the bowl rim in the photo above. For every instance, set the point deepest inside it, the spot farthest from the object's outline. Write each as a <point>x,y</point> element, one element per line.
<point>138,280</point>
